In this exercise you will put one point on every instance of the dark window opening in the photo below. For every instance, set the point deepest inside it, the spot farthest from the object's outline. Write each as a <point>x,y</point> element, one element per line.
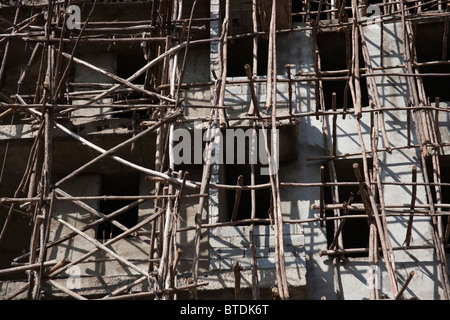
<point>444,166</point>
<point>333,56</point>
<point>355,233</point>
<point>118,184</point>
<point>263,196</point>
<point>240,53</point>
<point>297,7</point>
<point>240,50</point>
<point>239,163</point>
<point>127,65</point>
<point>429,47</point>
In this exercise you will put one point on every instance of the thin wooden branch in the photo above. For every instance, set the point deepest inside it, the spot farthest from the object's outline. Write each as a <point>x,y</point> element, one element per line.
<point>413,201</point>
<point>237,280</point>
<point>237,198</point>
<point>252,246</point>
<point>153,293</point>
<point>33,266</point>
<point>436,121</point>
<point>118,79</point>
<point>253,109</point>
<point>66,290</point>
<point>341,225</point>
<point>405,285</point>
<point>322,211</point>
<point>223,63</point>
<point>333,103</point>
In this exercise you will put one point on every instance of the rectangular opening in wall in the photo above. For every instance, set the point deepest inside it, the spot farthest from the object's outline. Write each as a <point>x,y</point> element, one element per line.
<point>297,9</point>
<point>333,57</point>
<point>240,53</point>
<point>429,43</point>
<point>118,184</point>
<point>240,50</point>
<point>263,196</point>
<point>355,233</point>
<point>127,64</point>
<point>444,175</point>
<point>237,159</point>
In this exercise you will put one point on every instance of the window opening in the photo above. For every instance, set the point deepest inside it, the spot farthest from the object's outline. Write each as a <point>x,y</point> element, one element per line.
<point>118,184</point>
<point>332,51</point>
<point>127,65</point>
<point>429,45</point>
<point>240,53</point>
<point>263,196</point>
<point>444,166</point>
<point>355,233</point>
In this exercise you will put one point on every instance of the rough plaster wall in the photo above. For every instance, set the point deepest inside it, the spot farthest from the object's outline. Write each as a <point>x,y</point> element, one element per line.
<point>68,211</point>
<point>397,166</point>
<point>103,60</point>
<point>296,50</point>
<point>197,70</point>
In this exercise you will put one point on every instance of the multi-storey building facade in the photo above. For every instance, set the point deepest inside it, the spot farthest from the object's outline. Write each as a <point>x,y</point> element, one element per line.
<point>327,130</point>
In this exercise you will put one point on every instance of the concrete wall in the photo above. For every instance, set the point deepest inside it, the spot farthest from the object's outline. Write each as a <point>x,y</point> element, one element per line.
<point>394,167</point>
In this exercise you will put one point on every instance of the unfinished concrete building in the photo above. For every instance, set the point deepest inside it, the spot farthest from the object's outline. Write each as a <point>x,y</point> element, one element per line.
<point>238,149</point>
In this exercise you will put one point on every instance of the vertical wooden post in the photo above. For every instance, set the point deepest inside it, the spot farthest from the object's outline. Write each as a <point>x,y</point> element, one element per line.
<point>254,263</point>
<point>288,70</point>
<point>224,63</point>
<point>436,121</point>
<point>253,109</point>
<point>322,211</point>
<point>237,280</point>
<point>413,201</point>
<point>333,100</point>
<point>237,198</point>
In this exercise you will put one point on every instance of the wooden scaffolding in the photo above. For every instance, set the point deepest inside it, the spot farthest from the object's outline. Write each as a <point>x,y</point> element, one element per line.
<point>55,47</point>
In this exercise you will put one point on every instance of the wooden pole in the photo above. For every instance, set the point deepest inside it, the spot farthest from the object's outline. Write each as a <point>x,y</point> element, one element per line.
<point>322,211</point>
<point>237,280</point>
<point>12,270</point>
<point>205,178</point>
<point>341,225</point>
<point>413,202</point>
<point>237,198</point>
<point>381,233</point>
<point>253,109</point>
<point>254,263</point>
<point>333,102</point>
<point>224,63</point>
<point>405,285</point>
<point>436,121</point>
